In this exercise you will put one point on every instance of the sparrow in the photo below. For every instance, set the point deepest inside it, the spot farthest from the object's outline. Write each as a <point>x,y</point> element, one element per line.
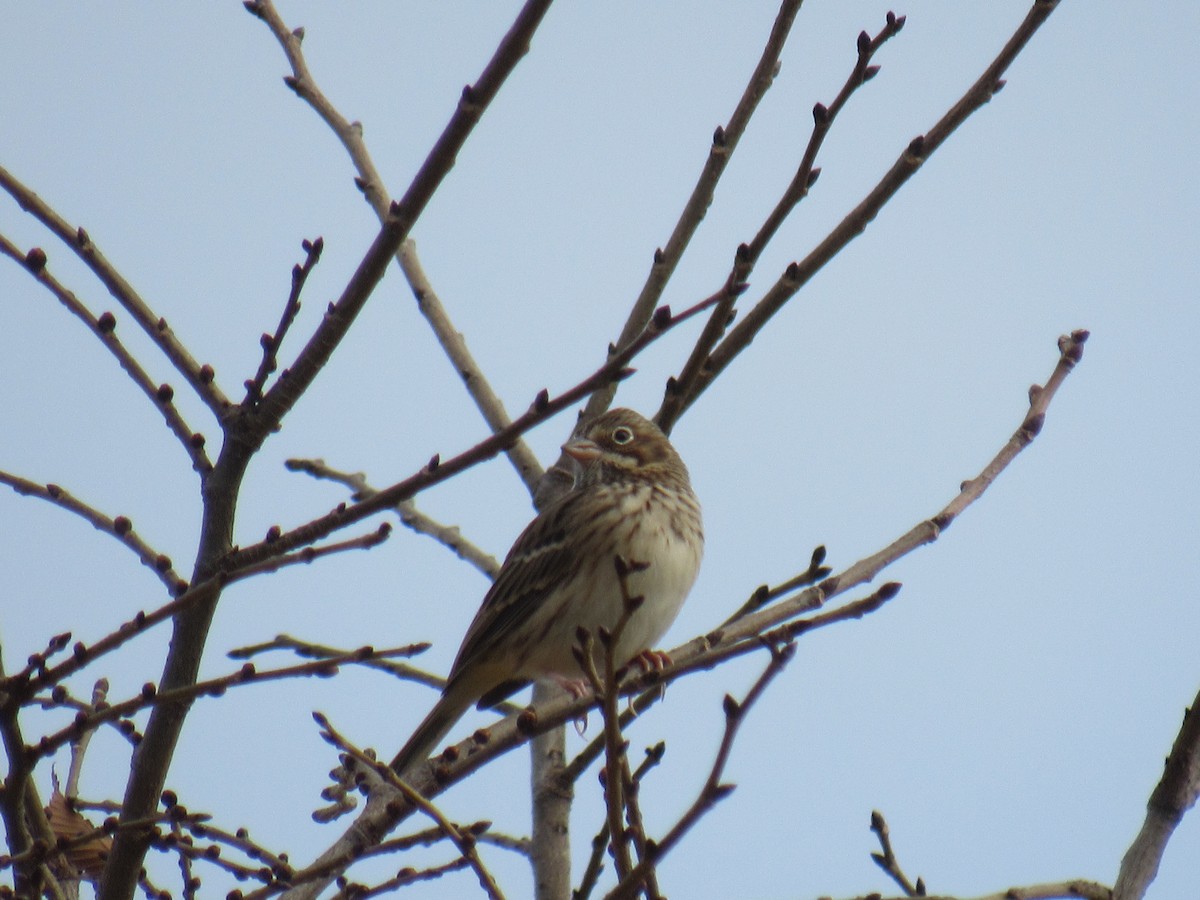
<point>632,499</point>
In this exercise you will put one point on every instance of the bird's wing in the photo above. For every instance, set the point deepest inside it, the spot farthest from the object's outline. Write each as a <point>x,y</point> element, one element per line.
<point>532,570</point>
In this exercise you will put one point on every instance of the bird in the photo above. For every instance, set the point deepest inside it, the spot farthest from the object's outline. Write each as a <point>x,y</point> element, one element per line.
<point>632,498</point>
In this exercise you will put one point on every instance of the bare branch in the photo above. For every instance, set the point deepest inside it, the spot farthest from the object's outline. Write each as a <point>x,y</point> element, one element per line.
<point>1058,890</point>
<point>742,636</point>
<point>464,841</point>
<point>119,526</point>
<point>591,874</point>
<point>713,791</point>
<point>156,328</point>
<point>213,687</point>
<point>724,142</point>
<point>271,342</point>
<point>104,327</point>
<point>1172,797</point>
<point>765,594</point>
<point>514,45</point>
<point>680,390</point>
<point>307,555</point>
<point>448,536</point>
<point>80,744</point>
<point>798,274</point>
<point>887,861</point>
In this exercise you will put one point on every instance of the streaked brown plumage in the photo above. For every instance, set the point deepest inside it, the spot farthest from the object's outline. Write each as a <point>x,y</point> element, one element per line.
<point>632,499</point>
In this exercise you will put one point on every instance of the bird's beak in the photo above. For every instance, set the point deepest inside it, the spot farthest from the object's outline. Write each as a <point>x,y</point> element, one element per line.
<point>581,450</point>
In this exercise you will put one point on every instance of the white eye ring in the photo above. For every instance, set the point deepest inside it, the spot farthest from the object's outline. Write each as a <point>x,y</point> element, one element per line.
<point>622,435</point>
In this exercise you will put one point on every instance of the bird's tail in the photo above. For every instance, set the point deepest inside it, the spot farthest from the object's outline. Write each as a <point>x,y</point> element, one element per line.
<point>429,733</point>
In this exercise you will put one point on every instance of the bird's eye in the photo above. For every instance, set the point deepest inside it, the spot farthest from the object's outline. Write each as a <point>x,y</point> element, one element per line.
<point>622,435</point>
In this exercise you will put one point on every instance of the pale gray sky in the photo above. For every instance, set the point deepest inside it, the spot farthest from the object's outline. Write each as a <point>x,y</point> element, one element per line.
<point>1009,711</point>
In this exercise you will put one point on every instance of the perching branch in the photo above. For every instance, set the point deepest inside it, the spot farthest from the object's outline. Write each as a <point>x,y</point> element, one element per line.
<point>742,636</point>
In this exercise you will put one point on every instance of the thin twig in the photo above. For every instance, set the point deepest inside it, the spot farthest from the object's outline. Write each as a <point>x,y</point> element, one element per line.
<point>463,840</point>
<point>307,555</point>
<point>714,790</point>
<point>724,141</point>
<point>272,342</point>
<point>371,184</point>
<point>400,215</point>
<point>1058,890</point>
<point>213,687</point>
<point>404,878</point>
<point>104,327</point>
<point>910,160</point>
<point>887,860</point>
<point>765,594</point>
<point>680,390</point>
<point>595,866</point>
<point>119,527</point>
<point>80,744</point>
<point>449,536</point>
<point>155,327</point>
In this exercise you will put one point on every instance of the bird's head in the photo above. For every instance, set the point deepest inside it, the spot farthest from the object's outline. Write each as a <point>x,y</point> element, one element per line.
<point>621,444</point>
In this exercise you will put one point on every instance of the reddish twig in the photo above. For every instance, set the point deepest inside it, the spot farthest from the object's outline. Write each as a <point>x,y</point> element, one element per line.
<point>271,342</point>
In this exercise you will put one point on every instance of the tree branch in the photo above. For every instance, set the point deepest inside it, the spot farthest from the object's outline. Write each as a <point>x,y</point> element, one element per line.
<point>245,433</point>
<point>156,328</point>
<point>104,328</point>
<point>724,141</point>
<point>1173,796</point>
<point>681,389</point>
<point>371,184</point>
<point>919,149</point>
<point>119,527</point>
<point>543,407</point>
<point>449,536</point>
